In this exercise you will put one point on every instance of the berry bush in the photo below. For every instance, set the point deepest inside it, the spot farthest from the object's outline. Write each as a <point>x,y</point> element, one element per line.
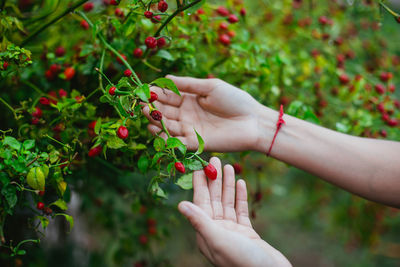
<point>75,76</point>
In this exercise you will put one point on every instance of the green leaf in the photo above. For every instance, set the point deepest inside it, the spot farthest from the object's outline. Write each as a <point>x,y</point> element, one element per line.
<point>60,203</point>
<point>44,221</point>
<point>124,83</point>
<point>115,143</point>
<point>157,190</point>
<point>68,218</point>
<point>10,194</point>
<point>97,127</point>
<point>28,144</point>
<point>36,178</point>
<point>165,55</point>
<point>185,182</point>
<point>174,142</point>
<point>156,157</point>
<point>201,143</point>
<point>143,163</point>
<point>104,99</point>
<point>21,252</point>
<point>143,92</point>
<point>166,83</point>
<point>12,142</point>
<point>159,144</point>
<point>193,165</point>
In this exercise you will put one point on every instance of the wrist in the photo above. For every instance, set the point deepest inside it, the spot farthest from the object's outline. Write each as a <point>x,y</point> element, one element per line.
<point>266,127</point>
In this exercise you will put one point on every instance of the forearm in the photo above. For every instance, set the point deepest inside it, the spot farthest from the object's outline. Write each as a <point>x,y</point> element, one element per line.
<point>367,167</point>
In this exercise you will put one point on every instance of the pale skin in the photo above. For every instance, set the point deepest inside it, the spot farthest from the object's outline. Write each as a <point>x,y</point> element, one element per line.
<point>230,120</point>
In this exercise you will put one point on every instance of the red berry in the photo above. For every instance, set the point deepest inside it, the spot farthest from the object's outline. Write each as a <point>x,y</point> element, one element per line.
<point>111,91</point>
<point>95,151</point>
<point>223,11</point>
<point>344,79</point>
<point>5,65</point>
<point>62,93</point>
<point>138,52</point>
<point>161,42</point>
<point>41,193</point>
<point>44,101</point>
<point>392,122</point>
<point>49,75</point>
<point>200,11</point>
<point>162,6</point>
<point>151,222</point>
<point>223,26</point>
<point>396,103</point>
<point>380,89</point>
<point>156,19</point>
<point>323,20</point>
<point>153,97</point>
<point>392,88</point>
<point>232,34</point>
<point>383,133</point>
<point>55,68</point>
<point>35,121</point>
<point>238,168</point>
<point>397,19</point>
<point>128,73</point>
<point>151,42</point>
<point>60,51</point>
<point>381,107</point>
<point>114,2</point>
<point>386,76</point>
<point>225,39</point>
<point>233,18</point>
<point>156,115</point>
<point>152,230</point>
<point>385,117</point>
<point>243,11</point>
<point>88,6</point>
<point>258,196</point>
<point>53,98</point>
<point>143,239</point>
<point>119,13</point>
<point>84,24</point>
<point>122,132</point>
<point>79,99</point>
<point>92,125</point>
<point>120,60</point>
<point>210,171</point>
<point>40,205</point>
<point>180,167</point>
<point>48,211</point>
<point>69,73</point>
<point>148,14</point>
<point>37,113</point>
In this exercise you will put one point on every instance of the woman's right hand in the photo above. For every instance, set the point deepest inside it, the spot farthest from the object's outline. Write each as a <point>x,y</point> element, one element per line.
<point>226,117</point>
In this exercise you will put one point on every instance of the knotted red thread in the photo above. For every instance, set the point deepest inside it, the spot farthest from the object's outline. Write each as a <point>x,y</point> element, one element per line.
<point>278,127</point>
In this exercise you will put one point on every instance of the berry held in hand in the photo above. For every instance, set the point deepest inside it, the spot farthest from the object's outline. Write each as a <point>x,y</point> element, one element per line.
<point>156,115</point>
<point>153,97</point>
<point>210,172</point>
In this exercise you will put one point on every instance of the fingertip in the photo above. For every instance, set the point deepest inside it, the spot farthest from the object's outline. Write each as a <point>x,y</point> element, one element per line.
<point>153,129</point>
<point>241,183</point>
<point>184,207</point>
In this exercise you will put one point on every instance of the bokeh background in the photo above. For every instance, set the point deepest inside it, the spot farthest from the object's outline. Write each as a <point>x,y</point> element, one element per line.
<point>281,53</point>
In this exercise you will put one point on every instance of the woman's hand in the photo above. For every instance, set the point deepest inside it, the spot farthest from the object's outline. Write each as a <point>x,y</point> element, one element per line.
<point>224,231</point>
<point>226,117</point>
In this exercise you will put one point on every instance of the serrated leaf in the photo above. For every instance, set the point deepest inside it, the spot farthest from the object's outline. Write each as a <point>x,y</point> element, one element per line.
<point>185,181</point>
<point>201,143</point>
<point>159,144</point>
<point>193,165</point>
<point>167,83</point>
<point>97,127</point>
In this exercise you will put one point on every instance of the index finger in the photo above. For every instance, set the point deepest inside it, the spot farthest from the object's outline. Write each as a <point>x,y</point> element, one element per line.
<point>192,85</point>
<point>201,194</point>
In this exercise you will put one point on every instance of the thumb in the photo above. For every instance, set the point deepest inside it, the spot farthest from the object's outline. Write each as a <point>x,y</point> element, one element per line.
<point>200,220</point>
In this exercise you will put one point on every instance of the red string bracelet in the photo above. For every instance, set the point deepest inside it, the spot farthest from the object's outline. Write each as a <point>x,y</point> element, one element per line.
<point>278,127</point>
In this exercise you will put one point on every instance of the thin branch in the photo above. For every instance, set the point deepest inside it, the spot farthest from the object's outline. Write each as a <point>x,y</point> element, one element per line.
<point>51,22</point>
